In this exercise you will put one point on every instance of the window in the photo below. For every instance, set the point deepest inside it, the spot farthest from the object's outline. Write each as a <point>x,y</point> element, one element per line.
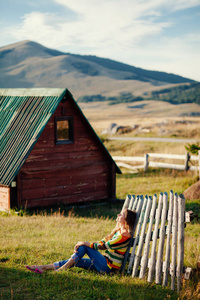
<point>64,130</point>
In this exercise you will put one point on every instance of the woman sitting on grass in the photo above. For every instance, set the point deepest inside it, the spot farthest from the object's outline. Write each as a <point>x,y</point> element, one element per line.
<point>115,245</point>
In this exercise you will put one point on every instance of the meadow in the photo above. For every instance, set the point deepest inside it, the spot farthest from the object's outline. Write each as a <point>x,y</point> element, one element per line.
<point>45,236</point>
<point>48,235</point>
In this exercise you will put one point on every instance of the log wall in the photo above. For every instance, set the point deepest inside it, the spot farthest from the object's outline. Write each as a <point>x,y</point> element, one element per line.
<point>67,173</point>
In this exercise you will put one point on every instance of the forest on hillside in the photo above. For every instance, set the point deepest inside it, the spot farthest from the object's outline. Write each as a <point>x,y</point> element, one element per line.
<point>179,95</point>
<point>187,93</point>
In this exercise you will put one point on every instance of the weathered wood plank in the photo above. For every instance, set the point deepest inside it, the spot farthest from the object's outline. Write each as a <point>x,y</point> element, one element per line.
<point>69,199</point>
<point>174,241</point>
<point>181,215</point>
<point>169,228</point>
<point>165,165</point>
<point>152,261</point>
<point>55,191</point>
<point>35,183</point>
<point>83,142</point>
<point>84,169</point>
<point>126,202</point>
<point>142,238</point>
<point>144,261</point>
<point>139,226</point>
<point>128,158</point>
<point>66,156</point>
<point>161,240</point>
<point>132,203</point>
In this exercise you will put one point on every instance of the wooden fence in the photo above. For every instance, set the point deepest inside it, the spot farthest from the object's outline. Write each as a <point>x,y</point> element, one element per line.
<point>157,239</point>
<point>148,160</point>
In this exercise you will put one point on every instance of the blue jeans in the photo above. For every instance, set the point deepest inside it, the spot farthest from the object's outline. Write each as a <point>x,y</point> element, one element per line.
<point>96,260</point>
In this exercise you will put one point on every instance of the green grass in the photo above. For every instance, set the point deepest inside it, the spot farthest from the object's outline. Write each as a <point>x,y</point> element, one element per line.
<point>77,284</point>
<point>45,236</point>
<point>153,182</point>
<point>42,240</point>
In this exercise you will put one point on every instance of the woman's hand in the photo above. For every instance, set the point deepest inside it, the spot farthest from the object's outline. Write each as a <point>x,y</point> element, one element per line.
<point>79,244</point>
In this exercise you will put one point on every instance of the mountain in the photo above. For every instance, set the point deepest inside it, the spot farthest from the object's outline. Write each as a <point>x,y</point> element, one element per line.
<point>29,64</point>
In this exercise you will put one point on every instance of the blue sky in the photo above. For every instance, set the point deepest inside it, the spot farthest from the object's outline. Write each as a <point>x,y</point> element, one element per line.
<point>162,35</point>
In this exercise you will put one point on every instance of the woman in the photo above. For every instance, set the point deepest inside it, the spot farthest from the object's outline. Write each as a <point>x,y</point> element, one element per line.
<point>115,245</point>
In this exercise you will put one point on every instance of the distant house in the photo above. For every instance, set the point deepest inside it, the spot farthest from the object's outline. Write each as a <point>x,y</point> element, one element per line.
<point>49,152</point>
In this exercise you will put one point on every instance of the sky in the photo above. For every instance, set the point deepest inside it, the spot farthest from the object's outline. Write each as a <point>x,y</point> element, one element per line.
<point>160,35</point>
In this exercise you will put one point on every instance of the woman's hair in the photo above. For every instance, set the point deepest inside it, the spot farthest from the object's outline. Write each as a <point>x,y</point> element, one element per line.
<point>130,217</point>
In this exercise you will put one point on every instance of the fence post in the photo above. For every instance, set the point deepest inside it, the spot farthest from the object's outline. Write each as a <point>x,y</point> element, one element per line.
<point>141,205</point>
<point>126,202</point>
<point>142,238</point>
<point>144,261</point>
<point>187,157</point>
<point>181,214</point>
<point>168,247</point>
<point>155,236</point>
<point>162,240</point>
<point>146,163</point>
<point>174,242</point>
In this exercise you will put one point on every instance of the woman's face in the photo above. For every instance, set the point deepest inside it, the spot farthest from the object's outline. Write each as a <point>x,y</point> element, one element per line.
<point>121,217</point>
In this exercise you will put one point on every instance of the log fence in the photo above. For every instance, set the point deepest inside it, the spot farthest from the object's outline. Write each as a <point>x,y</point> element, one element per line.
<point>156,249</point>
<point>148,160</point>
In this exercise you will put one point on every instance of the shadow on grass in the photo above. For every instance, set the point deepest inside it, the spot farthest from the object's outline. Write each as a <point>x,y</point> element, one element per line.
<point>194,206</point>
<point>76,284</point>
<point>105,210</point>
<point>95,209</point>
<point>153,172</point>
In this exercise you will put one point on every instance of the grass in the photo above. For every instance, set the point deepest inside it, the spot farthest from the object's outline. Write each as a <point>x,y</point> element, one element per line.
<point>154,181</point>
<point>130,148</point>
<point>40,239</point>
<point>78,285</point>
<point>44,236</point>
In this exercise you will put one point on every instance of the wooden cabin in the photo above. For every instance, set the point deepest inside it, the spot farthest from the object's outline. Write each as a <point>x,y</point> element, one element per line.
<point>50,154</point>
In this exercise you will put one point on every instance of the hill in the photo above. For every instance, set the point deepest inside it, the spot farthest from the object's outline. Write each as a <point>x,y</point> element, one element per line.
<point>28,64</point>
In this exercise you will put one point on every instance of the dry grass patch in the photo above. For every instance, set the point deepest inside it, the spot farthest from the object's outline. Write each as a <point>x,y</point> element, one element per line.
<point>143,113</point>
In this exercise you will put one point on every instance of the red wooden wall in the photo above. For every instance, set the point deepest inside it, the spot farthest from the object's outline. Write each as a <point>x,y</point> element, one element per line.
<point>4,198</point>
<point>69,173</point>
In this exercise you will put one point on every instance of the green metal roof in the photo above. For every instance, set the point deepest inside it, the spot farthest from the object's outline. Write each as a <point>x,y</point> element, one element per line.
<point>23,116</point>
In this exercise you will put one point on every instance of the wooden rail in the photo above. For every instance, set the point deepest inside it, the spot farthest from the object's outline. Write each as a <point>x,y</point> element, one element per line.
<point>122,161</point>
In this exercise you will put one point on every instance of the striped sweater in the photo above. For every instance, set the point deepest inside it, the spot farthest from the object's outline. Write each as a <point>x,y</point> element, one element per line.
<point>115,249</point>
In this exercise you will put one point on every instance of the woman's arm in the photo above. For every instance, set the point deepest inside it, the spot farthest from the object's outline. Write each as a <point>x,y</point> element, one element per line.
<point>118,241</point>
<point>98,246</point>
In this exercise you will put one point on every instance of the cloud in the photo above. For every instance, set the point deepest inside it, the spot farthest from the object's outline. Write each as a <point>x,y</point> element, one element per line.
<point>182,4</point>
<point>99,24</point>
<point>134,8</point>
<point>131,31</point>
<point>37,25</point>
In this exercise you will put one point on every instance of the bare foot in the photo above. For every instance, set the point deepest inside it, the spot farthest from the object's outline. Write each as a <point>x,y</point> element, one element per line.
<point>35,269</point>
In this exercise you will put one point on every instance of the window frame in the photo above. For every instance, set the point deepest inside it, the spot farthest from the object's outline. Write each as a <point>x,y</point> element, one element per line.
<point>71,131</point>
